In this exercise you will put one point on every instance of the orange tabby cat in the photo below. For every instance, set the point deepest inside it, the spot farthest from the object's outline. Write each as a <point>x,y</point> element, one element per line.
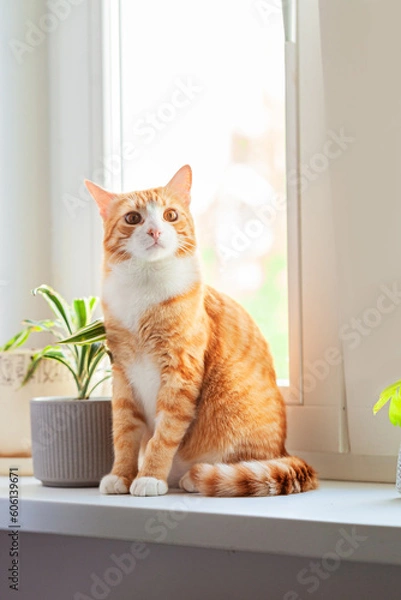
<point>194,385</point>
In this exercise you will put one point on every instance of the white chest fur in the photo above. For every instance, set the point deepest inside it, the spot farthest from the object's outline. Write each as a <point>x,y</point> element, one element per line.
<point>129,290</point>
<point>144,377</point>
<point>132,287</point>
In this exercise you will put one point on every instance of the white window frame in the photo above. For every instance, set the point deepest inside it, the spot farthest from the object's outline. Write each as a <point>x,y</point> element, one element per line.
<point>317,425</point>
<point>334,428</point>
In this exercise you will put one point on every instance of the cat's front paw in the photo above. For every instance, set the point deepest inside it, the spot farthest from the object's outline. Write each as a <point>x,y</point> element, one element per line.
<point>113,484</point>
<point>148,486</point>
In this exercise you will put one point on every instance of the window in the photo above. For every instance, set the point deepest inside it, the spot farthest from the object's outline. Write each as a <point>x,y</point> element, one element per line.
<point>343,242</point>
<point>214,97</point>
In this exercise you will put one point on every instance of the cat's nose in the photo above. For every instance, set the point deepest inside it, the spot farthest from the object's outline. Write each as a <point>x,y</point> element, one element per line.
<point>154,233</point>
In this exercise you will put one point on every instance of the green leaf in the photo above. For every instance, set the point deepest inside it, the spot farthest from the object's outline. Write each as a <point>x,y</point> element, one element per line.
<point>386,395</point>
<point>48,353</point>
<point>16,341</point>
<point>394,411</point>
<point>94,332</point>
<point>43,325</point>
<point>81,310</point>
<point>93,302</point>
<point>93,350</point>
<point>83,350</point>
<point>100,355</point>
<point>21,337</point>
<point>57,304</point>
<point>105,378</point>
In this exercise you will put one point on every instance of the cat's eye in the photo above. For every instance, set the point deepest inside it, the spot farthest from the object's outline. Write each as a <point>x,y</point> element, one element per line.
<point>133,218</point>
<point>170,215</point>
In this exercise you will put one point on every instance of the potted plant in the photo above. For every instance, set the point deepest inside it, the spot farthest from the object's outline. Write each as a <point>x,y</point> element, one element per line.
<point>392,394</point>
<point>72,436</point>
<point>50,378</point>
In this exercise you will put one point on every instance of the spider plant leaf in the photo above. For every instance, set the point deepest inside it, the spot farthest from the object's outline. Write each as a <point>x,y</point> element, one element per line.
<point>16,341</point>
<point>81,310</point>
<point>94,332</point>
<point>93,366</point>
<point>45,325</point>
<point>57,304</point>
<point>21,337</point>
<point>93,350</point>
<point>48,353</point>
<point>42,325</point>
<point>105,378</point>
<point>93,302</point>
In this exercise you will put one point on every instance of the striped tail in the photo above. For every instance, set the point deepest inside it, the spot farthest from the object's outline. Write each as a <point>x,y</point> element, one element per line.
<point>286,475</point>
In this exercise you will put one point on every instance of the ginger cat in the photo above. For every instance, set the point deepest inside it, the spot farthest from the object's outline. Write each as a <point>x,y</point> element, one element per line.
<point>194,387</point>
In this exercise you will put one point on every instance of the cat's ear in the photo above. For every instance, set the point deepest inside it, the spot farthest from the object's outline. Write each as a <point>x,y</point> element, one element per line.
<point>181,183</point>
<point>101,196</point>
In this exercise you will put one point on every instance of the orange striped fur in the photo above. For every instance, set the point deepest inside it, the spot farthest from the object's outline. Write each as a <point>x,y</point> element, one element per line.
<point>195,399</point>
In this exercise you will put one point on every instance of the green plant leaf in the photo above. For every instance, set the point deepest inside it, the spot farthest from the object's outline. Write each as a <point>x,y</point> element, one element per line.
<point>93,302</point>
<point>386,395</point>
<point>92,367</point>
<point>94,332</point>
<point>57,304</point>
<point>43,325</point>
<point>93,350</point>
<point>48,353</point>
<point>105,378</point>
<point>81,311</point>
<point>16,341</point>
<point>84,349</point>
<point>31,326</point>
<point>394,411</point>
<point>46,325</point>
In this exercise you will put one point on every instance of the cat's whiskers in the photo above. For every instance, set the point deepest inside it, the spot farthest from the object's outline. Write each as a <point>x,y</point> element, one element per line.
<point>186,245</point>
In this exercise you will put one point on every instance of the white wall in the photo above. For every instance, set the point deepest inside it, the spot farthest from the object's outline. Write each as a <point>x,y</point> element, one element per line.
<point>360,48</point>
<point>51,138</point>
<point>349,89</point>
<point>25,221</point>
<point>76,146</point>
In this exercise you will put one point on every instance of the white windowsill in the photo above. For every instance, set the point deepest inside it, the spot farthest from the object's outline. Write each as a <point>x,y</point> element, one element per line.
<point>307,525</point>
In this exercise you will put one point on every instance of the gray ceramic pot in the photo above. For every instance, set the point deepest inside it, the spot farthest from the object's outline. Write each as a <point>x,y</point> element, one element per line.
<point>71,440</point>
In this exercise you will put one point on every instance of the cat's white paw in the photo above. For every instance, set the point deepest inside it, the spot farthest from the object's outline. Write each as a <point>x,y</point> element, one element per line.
<point>113,484</point>
<point>187,484</point>
<point>148,486</point>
